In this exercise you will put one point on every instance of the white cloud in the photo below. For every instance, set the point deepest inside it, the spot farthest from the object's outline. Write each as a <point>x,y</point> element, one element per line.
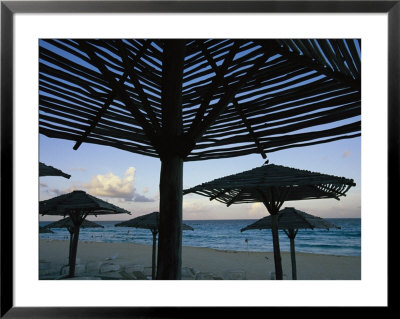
<point>257,210</point>
<point>113,186</point>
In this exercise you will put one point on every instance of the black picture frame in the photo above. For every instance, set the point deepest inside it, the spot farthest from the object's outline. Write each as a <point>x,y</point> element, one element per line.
<point>9,8</point>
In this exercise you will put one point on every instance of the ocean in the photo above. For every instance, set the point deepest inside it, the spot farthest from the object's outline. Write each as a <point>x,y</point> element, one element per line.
<point>226,235</point>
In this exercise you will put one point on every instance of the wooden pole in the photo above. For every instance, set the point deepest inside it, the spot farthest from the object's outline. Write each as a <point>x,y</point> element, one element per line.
<point>277,250</point>
<point>71,236</point>
<point>153,257</point>
<point>169,259</point>
<point>170,232</point>
<point>292,235</point>
<point>73,250</point>
<point>273,208</point>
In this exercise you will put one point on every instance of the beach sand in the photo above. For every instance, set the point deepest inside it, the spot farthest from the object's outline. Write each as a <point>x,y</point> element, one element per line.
<point>124,259</point>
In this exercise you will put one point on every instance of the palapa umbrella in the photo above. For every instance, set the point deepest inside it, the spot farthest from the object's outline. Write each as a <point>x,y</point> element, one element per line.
<point>46,170</point>
<point>291,220</point>
<point>67,223</point>
<point>77,205</point>
<point>273,185</point>
<point>197,99</point>
<point>44,230</point>
<point>150,221</point>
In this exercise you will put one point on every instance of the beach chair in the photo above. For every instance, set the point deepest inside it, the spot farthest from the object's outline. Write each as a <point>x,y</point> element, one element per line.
<point>93,267</point>
<point>109,267</point>
<point>234,275</point>
<point>205,276</point>
<point>188,273</point>
<point>79,269</point>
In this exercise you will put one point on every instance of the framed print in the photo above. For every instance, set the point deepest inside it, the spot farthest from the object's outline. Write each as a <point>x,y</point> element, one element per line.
<point>115,74</point>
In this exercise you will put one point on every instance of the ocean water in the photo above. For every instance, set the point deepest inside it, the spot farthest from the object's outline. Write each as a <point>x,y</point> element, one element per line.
<point>226,235</point>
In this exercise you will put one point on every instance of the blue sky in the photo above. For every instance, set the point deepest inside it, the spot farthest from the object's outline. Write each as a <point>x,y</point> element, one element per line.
<point>131,180</point>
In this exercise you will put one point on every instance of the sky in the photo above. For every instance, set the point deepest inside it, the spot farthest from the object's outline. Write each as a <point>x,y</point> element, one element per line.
<point>131,181</point>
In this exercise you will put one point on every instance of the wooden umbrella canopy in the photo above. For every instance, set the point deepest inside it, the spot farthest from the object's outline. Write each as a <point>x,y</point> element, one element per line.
<point>46,170</point>
<point>44,230</point>
<point>69,225</point>
<point>291,220</point>
<point>150,221</point>
<point>197,99</point>
<point>77,205</point>
<point>273,185</point>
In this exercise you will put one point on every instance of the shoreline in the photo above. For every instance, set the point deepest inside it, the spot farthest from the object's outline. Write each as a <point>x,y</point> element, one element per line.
<point>217,249</point>
<point>205,263</point>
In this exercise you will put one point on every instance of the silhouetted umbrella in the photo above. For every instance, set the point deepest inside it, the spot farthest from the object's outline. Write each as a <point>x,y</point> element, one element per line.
<point>67,223</point>
<point>77,205</point>
<point>44,230</point>
<point>273,185</point>
<point>291,220</point>
<point>150,221</point>
<point>46,170</point>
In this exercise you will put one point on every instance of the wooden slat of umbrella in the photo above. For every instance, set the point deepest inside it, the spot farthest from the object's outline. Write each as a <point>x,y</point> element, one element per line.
<point>77,205</point>
<point>149,221</point>
<point>273,185</point>
<point>291,220</point>
<point>205,98</point>
<point>47,170</point>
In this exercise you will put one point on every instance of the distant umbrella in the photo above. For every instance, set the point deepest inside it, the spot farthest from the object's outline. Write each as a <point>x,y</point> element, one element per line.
<point>44,230</point>
<point>46,170</point>
<point>69,225</point>
<point>77,205</point>
<point>150,221</point>
<point>291,220</point>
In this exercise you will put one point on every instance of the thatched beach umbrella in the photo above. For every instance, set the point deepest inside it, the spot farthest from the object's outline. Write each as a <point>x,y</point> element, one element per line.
<point>44,230</point>
<point>273,185</point>
<point>77,205</point>
<point>291,220</point>
<point>46,170</point>
<point>197,99</point>
<point>150,221</point>
<point>69,225</point>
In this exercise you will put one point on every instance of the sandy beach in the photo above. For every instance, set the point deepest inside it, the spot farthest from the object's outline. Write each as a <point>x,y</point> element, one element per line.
<point>133,261</point>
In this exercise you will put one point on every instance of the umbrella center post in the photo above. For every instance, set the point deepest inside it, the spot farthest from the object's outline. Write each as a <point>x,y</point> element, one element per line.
<point>153,257</point>
<point>77,221</point>
<point>170,228</point>
<point>291,233</point>
<point>277,251</point>
<point>273,200</point>
<point>171,149</point>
